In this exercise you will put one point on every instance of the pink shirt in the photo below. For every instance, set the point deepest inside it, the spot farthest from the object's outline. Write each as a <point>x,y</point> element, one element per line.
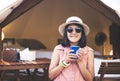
<point>71,73</point>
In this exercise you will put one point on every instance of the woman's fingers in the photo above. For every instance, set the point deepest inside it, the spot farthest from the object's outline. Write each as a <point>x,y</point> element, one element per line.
<point>72,57</point>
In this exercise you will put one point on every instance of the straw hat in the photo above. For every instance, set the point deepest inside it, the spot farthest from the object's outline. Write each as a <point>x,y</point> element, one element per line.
<point>72,20</point>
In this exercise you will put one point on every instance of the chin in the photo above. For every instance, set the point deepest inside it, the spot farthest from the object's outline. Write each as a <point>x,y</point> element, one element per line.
<point>74,41</point>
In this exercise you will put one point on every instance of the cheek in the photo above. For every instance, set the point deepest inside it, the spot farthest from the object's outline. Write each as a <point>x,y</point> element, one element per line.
<point>68,35</point>
<point>80,36</point>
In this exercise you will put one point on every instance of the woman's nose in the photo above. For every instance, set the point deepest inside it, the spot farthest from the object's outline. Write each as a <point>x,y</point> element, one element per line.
<point>73,31</point>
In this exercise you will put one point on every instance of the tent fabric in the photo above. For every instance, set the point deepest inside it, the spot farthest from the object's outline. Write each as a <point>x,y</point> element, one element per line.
<point>6,11</point>
<point>42,21</point>
<point>96,4</point>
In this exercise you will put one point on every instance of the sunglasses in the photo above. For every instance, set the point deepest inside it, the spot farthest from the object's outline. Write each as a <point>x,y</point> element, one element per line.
<point>77,30</point>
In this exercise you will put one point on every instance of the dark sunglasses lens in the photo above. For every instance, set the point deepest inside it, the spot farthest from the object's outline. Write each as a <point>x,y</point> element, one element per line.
<point>78,30</point>
<point>70,30</point>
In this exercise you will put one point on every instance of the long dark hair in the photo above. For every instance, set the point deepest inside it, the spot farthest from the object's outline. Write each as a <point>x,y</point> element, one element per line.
<point>82,42</point>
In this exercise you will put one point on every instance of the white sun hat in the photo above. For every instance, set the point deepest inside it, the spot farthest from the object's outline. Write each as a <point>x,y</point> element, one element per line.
<point>73,20</point>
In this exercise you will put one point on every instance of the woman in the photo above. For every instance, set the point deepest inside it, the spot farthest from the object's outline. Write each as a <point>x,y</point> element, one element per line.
<point>66,66</point>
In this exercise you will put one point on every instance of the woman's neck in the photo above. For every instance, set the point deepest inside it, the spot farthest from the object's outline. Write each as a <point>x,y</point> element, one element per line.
<point>74,43</point>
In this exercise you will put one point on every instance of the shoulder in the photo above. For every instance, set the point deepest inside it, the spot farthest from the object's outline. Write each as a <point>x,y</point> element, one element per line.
<point>88,48</point>
<point>59,47</point>
<point>90,51</point>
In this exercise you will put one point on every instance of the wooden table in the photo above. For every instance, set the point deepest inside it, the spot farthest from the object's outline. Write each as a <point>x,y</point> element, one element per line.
<point>39,63</point>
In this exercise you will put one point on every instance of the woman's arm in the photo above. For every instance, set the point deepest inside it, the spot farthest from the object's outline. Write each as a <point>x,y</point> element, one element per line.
<point>55,69</point>
<point>87,72</point>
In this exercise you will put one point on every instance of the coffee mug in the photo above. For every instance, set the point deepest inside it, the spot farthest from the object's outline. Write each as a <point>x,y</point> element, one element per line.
<point>74,49</point>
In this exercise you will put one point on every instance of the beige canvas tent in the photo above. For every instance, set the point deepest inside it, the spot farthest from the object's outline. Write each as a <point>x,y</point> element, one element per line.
<point>39,19</point>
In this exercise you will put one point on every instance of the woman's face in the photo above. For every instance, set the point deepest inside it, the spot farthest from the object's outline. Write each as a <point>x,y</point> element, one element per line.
<point>74,33</point>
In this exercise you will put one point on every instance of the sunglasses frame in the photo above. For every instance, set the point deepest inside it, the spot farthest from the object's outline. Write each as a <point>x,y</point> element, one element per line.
<point>77,30</point>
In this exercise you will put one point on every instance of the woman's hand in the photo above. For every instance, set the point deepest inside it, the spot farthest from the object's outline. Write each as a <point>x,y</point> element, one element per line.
<point>70,57</point>
<point>80,54</point>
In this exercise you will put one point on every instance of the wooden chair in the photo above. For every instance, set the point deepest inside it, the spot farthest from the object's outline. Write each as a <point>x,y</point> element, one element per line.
<point>109,67</point>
